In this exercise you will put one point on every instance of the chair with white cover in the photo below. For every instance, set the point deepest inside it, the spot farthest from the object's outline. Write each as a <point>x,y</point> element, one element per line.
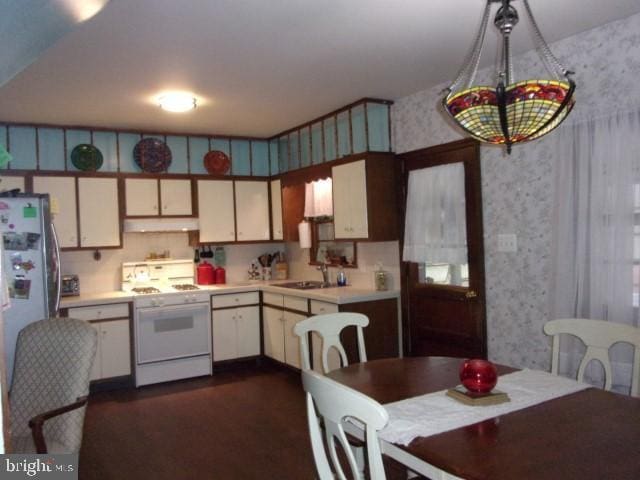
<point>329,326</point>
<point>598,336</point>
<point>334,402</point>
<point>51,376</point>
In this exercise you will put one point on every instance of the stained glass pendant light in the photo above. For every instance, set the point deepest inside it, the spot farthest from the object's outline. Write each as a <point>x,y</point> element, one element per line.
<point>510,112</point>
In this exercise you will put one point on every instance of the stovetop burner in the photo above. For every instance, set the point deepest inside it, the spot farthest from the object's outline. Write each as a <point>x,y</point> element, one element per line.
<point>145,290</point>
<point>185,286</point>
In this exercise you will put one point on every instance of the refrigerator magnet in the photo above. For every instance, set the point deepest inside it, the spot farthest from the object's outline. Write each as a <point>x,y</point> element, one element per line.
<point>20,288</point>
<point>29,211</point>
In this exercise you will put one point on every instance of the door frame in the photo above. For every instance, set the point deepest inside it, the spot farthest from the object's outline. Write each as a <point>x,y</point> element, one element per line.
<point>467,151</point>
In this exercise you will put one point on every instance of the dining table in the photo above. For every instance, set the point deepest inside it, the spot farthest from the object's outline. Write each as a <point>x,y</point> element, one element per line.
<point>589,434</point>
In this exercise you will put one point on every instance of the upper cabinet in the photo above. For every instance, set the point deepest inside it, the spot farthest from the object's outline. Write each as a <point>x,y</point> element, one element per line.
<point>364,199</point>
<point>86,210</point>
<point>11,182</point>
<point>150,197</point>
<point>276,210</point>
<point>252,210</point>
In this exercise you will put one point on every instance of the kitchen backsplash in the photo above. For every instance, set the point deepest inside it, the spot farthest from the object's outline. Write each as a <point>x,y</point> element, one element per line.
<point>104,275</point>
<point>369,254</point>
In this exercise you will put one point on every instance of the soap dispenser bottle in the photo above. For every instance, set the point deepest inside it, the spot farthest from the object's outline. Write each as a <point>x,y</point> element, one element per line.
<point>341,278</point>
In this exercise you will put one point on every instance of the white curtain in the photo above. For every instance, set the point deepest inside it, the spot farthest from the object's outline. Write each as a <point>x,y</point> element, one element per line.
<point>435,220</point>
<point>596,197</point>
<point>318,198</point>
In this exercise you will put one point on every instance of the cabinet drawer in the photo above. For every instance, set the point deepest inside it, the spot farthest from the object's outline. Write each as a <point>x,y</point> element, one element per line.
<point>296,303</point>
<point>274,299</point>
<point>235,299</point>
<point>100,312</point>
<point>319,308</point>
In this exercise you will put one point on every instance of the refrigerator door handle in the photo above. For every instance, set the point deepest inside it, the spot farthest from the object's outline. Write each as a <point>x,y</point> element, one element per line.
<point>58,270</point>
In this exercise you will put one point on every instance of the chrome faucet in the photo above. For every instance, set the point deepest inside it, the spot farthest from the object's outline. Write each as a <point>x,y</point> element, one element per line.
<point>325,273</point>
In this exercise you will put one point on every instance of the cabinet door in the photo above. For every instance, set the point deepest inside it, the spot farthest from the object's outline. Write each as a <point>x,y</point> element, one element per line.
<point>291,340</point>
<point>96,370</point>
<point>62,192</point>
<point>350,200</point>
<point>248,331</point>
<point>11,182</point>
<point>276,210</point>
<point>273,333</point>
<point>252,210</point>
<point>224,334</point>
<point>99,212</point>
<point>141,196</point>
<point>216,211</point>
<point>115,348</point>
<point>176,197</point>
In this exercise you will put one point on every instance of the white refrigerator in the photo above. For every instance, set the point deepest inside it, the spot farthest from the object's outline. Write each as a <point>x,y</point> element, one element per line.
<point>31,265</point>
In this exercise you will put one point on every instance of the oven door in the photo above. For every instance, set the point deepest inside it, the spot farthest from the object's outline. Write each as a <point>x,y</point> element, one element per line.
<point>168,333</point>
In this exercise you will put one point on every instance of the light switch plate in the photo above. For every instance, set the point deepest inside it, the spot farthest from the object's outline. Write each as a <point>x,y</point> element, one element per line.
<point>507,242</point>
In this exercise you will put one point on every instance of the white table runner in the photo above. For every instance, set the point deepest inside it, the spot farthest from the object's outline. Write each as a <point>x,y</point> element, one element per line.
<point>436,412</point>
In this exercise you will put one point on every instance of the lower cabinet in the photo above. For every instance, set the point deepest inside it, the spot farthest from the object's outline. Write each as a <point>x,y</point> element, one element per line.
<point>235,321</point>
<point>280,343</point>
<point>112,321</point>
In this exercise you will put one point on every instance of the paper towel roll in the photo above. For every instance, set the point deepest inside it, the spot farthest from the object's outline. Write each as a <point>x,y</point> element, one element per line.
<point>304,232</point>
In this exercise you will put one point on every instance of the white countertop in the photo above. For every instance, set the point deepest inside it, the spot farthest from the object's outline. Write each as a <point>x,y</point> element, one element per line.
<point>338,295</point>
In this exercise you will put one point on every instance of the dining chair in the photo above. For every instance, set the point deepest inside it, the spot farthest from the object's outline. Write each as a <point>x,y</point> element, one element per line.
<point>333,403</point>
<point>51,376</point>
<point>329,326</point>
<point>598,336</point>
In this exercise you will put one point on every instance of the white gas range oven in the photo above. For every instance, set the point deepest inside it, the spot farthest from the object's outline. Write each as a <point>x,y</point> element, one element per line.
<point>172,321</point>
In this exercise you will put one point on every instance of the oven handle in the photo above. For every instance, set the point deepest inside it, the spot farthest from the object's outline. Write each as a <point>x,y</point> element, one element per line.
<point>186,307</point>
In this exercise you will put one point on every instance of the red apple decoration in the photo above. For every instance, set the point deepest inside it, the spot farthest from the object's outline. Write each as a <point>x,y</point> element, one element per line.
<point>478,376</point>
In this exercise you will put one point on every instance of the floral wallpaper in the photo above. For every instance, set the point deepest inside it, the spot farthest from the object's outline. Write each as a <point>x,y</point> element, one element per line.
<point>517,190</point>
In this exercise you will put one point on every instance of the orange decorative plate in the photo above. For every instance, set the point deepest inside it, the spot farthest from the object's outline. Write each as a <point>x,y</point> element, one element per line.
<point>217,162</point>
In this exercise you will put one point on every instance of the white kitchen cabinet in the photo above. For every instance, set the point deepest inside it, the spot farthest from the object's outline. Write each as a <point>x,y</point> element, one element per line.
<point>216,211</point>
<point>11,182</point>
<point>98,212</point>
<point>141,196</point>
<point>62,193</point>
<point>276,210</point>
<point>252,210</point>
<point>150,197</point>
<point>113,355</point>
<point>175,197</point>
<point>236,333</point>
<point>291,340</point>
<point>273,320</point>
<point>350,214</point>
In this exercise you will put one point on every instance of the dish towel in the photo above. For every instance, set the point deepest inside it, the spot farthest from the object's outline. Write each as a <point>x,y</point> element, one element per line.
<point>436,412</point>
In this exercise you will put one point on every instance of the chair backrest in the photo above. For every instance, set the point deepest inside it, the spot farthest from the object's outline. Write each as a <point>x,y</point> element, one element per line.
<point>329,326</point>
<point>334,402</point>
<point>52,369</point>
<point>598,336</point>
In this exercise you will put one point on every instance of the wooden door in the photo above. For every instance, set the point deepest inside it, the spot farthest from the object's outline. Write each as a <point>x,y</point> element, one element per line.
<point>223,331</point>
<point>252,210</point>
<point>62,194</point>
<point>276,210</point>
<point>175,196</point>
<point>141,197</point>
<point>350,200</point>
<point>216,211</point>
<point>248,331</point>
<point>99,212</point>
<point>445,314</point>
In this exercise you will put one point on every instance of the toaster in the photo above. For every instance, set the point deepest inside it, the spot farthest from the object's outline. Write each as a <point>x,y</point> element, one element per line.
<point>70,286</point>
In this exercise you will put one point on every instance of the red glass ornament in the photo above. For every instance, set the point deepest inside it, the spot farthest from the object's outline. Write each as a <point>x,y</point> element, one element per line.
<point>479,376</point>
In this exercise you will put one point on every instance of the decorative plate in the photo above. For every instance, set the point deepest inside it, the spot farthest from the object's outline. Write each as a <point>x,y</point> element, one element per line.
<point>86,157</point>
<point>152,155</point>
<point>217,162</point>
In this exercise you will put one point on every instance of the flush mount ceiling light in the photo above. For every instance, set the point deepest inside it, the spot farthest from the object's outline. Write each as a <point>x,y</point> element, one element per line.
<point>511,112</point>
<point>177,102</point>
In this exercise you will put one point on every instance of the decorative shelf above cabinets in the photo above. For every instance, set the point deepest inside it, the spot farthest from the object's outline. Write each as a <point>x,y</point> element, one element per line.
<point>152,197</point>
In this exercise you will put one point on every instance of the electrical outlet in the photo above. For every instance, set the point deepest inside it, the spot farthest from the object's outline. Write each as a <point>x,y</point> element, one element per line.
<point>507,242</point>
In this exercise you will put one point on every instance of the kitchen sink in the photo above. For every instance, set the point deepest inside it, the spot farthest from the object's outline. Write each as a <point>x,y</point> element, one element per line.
<point>305,285</point>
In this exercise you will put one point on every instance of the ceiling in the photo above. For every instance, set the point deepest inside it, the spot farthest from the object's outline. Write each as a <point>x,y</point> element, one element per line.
<point>259,67</point>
